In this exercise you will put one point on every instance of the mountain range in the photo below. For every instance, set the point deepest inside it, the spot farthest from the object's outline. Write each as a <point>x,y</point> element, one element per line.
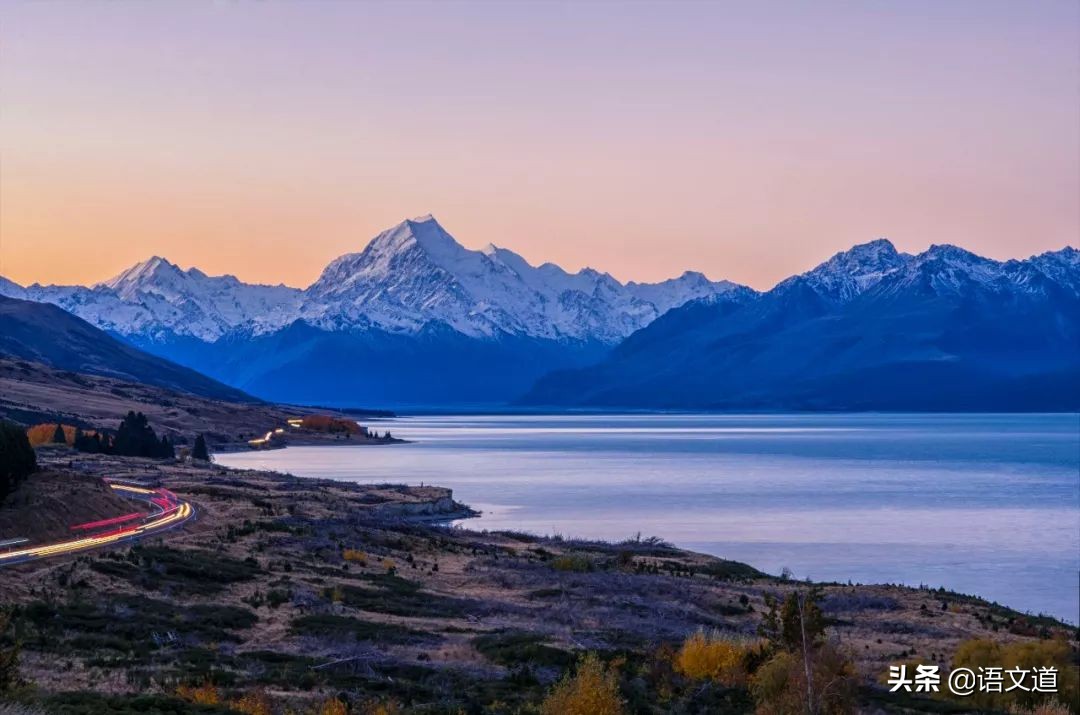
<point>869,329</point>
<point>416,319</point>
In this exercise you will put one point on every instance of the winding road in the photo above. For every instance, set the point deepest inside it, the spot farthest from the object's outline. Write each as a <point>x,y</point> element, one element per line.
<point>166,511</point>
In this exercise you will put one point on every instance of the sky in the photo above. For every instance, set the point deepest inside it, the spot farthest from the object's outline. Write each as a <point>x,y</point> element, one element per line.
<point>747,140</point>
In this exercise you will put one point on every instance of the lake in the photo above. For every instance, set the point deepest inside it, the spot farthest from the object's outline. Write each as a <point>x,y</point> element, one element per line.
<point>982,504</point>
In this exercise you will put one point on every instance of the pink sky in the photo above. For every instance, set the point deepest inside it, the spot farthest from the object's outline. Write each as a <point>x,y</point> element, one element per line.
<point>746,140</point>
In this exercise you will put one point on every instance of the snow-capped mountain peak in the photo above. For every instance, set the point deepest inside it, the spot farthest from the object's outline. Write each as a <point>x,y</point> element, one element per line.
<point>153,271</point>
<point>852,272</point>
<point>415,273</point>
<point>408,276</point>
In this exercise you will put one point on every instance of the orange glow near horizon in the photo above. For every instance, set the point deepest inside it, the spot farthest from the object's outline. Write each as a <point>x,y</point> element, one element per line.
<point>266,140</point>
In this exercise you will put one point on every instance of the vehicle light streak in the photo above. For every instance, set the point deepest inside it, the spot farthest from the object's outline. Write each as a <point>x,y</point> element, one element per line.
<point>107,522</point>
<point>174,512</point>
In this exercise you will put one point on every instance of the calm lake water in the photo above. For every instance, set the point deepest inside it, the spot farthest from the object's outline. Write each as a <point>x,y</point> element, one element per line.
<point>983,504</point>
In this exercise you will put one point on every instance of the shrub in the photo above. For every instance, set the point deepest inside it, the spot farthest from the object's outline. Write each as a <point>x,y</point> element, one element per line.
<point>354,556</point>
<point>708,656</point>
<point>253,703</point>
<point>779,687</point>
<point>10,680</point>
<point>592,690</point>
<point>1048,708</point>
<point>512,649</point>
<point>981,652</point>
<point>374,707</point>
<point>572,562</point>
<point>205,694</point>
<point>325,625</point>
<point>19,709</point>
<point>333,706</point>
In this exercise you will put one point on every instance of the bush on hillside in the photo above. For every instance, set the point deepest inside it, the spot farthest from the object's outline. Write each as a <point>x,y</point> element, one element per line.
<point>710,656</point>
<point>592,690</point>
<point>1026,655</point>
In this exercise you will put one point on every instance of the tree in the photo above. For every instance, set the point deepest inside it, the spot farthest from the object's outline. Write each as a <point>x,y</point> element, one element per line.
<point>806,675</point>
<point>199,451</point>
<point>87,442</point>
<point>17,458</point>
<point>58,436</point>
<point>135,438</point>
<point>795,625</point>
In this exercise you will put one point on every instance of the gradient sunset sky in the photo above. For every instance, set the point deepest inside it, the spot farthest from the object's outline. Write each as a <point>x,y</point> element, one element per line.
<point>747,140</point>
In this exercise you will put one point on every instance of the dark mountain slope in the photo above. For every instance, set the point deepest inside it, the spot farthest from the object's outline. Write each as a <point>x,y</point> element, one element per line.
<point>437,366</point>
<point>945,330</point>
<point>41,332</point>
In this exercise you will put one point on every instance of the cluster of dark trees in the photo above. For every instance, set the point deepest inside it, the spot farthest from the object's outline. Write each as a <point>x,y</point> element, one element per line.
<point>17,458</point>
<point>134,438</point>
<point>199,451</point>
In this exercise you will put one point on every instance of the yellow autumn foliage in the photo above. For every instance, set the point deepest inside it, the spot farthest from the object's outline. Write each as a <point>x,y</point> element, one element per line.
<point>205,694</point>
<point>709,656</point>
<point>1026,655</point>
<point>354,556</point>
<point>333,706</point>
<point>592,690</point>
<point>254,703</point>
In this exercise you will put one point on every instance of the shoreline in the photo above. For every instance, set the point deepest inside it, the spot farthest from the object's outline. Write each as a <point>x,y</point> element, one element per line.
<point>306,570</point>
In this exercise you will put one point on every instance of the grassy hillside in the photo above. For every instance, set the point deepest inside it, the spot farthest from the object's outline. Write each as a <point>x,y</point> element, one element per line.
<point>44,333</point>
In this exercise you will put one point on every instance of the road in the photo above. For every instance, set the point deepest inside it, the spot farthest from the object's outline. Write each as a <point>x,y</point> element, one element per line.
<point>165,511</point>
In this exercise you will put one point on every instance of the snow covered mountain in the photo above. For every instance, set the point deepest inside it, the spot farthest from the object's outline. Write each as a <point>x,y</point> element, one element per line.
<point>416,319</point>
<point>868,329</point>
<point>407,277</point>
<point>416,273</point>
<point>156,300</point>
<point>852,272</point>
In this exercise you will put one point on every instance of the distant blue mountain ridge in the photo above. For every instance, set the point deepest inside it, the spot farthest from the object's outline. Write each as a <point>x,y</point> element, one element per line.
<point>869,329</point>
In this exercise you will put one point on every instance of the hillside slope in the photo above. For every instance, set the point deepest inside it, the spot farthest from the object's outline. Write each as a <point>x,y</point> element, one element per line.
<point>32,393</point>
<point>44,333</point>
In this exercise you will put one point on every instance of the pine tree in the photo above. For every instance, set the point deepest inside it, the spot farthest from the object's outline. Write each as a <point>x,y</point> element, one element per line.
<point>135,438</point>
<point>58,435</point>
<point>199,451</point>
<point>17,457</point>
